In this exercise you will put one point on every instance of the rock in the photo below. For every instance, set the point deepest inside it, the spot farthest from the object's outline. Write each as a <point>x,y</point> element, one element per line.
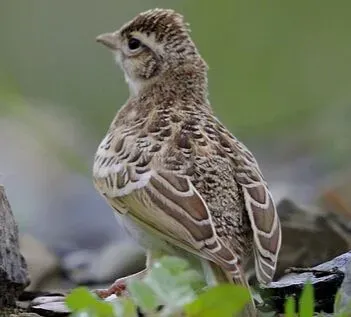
<point>54,306</point>
<point>30,295</point>
<point>302,230</point>
<point>336,198</point>
<point>43,265</point>
<point>13,269</point>
<point>24,314</point>
<point>345,292</point>
<point>303,227</point>
<point>326,279</point>
<point>10,311</point>
<point>50,306</point>
<point>113,261</point>
<point>53,202</point>
<point>26,298</point>
<point>47,299</point>
<point>77,224</point>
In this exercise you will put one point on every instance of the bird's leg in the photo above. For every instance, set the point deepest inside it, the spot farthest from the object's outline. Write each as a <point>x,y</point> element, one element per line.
<point>119,287</point>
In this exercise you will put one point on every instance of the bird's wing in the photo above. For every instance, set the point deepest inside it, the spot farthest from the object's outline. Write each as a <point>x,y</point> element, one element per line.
<point>161,201</point>
<point>260,208</point>
<point>173,207</point>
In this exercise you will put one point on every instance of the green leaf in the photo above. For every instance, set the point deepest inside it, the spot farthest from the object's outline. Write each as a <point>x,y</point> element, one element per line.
<point>168,288</point>
<point>129,308</point>
<point>79,298</point>
<point>143,295</point>
<point>102,309</point>
<point>223,300</point>
<point>160,280</point>
<point>82,313</point>
<point>174,264</point>
<point>342,305</point>
<point>337,301</point>
<point>171,291</point>
<point>192,278</point>
<point>342,314</point>
<point>124,307</point>
<point>182,272</point>
<point>306,302</point>
<point>290,307</point>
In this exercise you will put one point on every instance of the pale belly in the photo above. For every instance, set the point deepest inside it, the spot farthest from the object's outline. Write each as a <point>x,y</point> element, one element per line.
<point>144,237</point>
<point>158,246</point>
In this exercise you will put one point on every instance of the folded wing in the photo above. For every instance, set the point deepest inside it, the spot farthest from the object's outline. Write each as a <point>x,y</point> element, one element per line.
<point>261,211</point>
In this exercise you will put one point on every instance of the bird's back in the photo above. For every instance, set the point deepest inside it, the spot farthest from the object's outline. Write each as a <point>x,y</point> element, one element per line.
<point>182,137</point>
<point>199,149</point>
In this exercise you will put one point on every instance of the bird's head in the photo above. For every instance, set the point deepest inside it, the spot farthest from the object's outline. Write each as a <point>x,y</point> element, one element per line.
<point>153,43</point>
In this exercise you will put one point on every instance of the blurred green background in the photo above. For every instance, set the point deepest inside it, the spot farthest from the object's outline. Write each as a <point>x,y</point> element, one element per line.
<point>280,78</point>
<point>272,65</point>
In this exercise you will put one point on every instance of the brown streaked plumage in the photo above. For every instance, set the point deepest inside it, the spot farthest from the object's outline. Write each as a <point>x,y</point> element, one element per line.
<point>180,179</point>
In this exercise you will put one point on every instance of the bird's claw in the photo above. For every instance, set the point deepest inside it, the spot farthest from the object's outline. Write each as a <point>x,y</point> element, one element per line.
<point>118,289</point>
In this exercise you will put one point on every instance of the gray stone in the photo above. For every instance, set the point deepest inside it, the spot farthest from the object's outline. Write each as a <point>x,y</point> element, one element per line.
<point>13,269</point>
<point>326,279</point>
<point>310,236</point>
<point>51,306</point>
<point>106,265</point>
<point>43,265</point>
<point>344,303</point>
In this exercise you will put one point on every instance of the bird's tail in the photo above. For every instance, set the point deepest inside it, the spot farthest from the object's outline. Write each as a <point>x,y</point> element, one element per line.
<point>222,276</point>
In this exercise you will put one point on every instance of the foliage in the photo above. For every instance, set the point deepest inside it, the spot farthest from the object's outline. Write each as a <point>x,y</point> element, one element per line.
<point>171,288</point>
<point>307,302</point>
<point>219,301</point>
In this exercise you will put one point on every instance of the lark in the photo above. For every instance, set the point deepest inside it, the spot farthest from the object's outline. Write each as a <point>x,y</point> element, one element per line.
<point>182,183</point>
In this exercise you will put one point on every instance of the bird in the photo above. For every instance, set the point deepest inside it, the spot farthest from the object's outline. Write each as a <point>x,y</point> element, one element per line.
<point>176,176</point>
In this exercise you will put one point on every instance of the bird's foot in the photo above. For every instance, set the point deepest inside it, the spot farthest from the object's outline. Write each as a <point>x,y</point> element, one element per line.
<point>119,287</point>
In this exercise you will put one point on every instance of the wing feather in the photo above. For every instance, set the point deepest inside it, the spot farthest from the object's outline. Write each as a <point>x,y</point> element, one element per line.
<point>192,226</point>
<point>261,211</point>
<point>259,203</point>
<point>169,205</point>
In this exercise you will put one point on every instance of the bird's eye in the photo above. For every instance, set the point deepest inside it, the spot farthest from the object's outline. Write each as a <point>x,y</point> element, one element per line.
<point>134,44</point>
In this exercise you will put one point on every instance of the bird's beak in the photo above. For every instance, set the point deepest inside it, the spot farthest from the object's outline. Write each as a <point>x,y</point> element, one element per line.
<point>108,39</point>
